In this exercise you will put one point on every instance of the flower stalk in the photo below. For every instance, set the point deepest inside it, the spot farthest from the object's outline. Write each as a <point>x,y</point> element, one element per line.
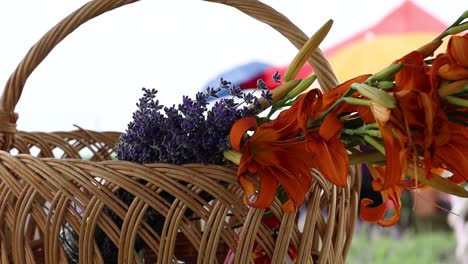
<point>450,30</point>
<point>374,143</point>
<point>385,74</point>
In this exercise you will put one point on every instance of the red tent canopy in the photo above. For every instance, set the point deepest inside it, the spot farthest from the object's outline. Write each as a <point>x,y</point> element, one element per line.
<point>402,30</point>
<point>406,18</point>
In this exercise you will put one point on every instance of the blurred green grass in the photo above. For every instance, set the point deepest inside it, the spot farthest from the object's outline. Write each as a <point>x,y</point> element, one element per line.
<point>389,246</point>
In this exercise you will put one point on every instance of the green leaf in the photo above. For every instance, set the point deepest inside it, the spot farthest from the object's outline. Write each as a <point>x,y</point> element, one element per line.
<point>439,183</point>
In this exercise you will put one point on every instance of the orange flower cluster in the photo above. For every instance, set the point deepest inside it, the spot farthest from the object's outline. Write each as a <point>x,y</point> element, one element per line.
<point>424,128</point>
<point>423,135</point>
<point>284,150</point>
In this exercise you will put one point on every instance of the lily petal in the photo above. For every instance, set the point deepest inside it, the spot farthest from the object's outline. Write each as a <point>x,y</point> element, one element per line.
<point>394,153</point>
<point>453,72</point>
<point>390,195</point>
<point>414,73</point>
<point>331,159</point>
<point>330,127</point>
<point>239,128</point>
<point>457,49</point>
<point>266,194</point>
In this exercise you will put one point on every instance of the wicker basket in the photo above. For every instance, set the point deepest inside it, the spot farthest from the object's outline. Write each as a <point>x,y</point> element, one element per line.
<point>40,194</point>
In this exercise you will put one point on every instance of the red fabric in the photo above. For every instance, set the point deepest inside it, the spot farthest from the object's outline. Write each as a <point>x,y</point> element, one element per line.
<point>408,17</point>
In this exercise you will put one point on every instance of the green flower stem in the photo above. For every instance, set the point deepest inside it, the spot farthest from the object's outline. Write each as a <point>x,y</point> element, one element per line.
<point>457,101</point>
<point>374,143</point>
<point>368,129</point>
<point>299,88</point>
<point>233,156</point>
<point>360,131</point>
<point>373,157</point>
<point>455,24</point>
<point>457,29</point>
<point>278,93</point>
<point>375,94</point>
<point>273,109</point>
<point>335,105</point>
<point>385,74</point>
<point>370,126</point>
<point>357,101</point>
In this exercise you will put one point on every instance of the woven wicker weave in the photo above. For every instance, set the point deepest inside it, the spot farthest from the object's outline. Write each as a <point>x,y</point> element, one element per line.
<point>45,184</point>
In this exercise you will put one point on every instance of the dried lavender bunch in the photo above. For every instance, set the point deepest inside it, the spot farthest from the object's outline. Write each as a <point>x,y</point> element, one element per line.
<point>193,132</point>
<point>190,133</point>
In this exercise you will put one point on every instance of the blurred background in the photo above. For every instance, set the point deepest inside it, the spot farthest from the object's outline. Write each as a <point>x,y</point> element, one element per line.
<point>94,77</point>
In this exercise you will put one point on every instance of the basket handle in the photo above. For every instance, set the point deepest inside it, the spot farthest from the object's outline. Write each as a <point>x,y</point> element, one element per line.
<point>41,49</point>
<point>289,30</point>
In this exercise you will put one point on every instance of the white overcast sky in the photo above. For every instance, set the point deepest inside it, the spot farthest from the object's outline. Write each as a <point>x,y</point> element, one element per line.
<point>94,77</point>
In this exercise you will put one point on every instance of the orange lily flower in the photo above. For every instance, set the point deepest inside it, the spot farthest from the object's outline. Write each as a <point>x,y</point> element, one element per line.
<point>457,54</point>
<point>417,125</point>
<point>284,150</point>
<point>452,65</point>
<point>450,150</point>
<point>414,74</point>
<point>330,97</point>
<point>388,180</point>
<point>406,116</point>
<point>392,194</point>
<point>420,125</point>
<point>419,110</point>
<point>413,113</point>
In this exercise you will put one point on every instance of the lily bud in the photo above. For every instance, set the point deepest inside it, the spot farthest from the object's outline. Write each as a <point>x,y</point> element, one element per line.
<point>306,51</point>
<point>385,85</point>
<point>429,49</point>
<point>381,97</point>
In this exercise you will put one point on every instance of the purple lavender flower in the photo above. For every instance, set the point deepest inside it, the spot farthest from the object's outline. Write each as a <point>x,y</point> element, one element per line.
<point>192,132</point>
<point>277,77</point>
<point>261,84</point>
<point>189,133</point>
<point>236,92</point>
<point>267,95</point>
